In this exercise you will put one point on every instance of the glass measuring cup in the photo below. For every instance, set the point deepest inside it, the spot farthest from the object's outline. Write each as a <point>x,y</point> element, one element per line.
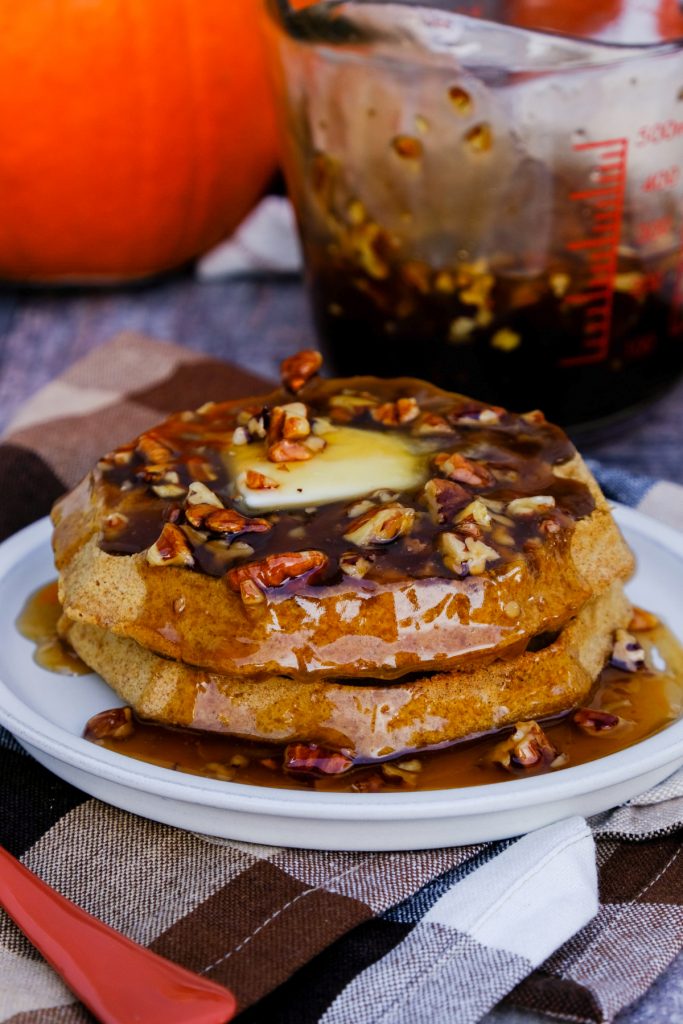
<point>493,206</point>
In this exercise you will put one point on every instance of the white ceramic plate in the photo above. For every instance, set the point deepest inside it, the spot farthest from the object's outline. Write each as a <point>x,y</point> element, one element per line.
<point>47,712</point>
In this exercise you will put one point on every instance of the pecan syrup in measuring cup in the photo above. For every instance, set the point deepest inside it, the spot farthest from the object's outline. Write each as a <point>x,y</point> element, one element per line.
<point>491,195</point>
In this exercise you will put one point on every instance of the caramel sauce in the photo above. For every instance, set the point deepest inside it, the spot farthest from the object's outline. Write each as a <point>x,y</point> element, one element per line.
<point>520,454</point>
<point>647,700</point>
<point>38,622</point>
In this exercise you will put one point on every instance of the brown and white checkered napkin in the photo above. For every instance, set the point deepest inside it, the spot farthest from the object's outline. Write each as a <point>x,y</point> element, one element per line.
<point>301,936</point>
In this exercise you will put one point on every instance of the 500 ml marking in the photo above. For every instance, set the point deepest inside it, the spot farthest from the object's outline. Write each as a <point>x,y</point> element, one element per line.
<point>605,199</point>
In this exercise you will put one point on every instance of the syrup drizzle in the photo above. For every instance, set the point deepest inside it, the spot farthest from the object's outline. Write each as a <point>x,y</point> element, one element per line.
<point>648,701</point>
<point>38,622</point>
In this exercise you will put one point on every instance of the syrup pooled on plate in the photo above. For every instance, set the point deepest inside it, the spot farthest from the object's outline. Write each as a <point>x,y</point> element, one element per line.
<point>645,701</point>
<point>38,622</point>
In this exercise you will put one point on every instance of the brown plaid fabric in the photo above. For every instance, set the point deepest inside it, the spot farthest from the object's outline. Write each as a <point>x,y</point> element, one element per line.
<point>303,936</point>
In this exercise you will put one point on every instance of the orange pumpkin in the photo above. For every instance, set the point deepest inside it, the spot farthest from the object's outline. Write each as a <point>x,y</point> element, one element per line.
<point>571,17</point>
<point>134,134</point>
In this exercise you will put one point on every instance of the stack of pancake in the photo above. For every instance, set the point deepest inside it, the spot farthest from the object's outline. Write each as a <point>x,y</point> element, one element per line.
<point>364,567</point>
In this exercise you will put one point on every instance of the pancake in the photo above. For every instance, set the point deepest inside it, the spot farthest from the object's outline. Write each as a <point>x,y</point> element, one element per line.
<point>503,534</point>
<point>369,566</point>
<point>371,720</point>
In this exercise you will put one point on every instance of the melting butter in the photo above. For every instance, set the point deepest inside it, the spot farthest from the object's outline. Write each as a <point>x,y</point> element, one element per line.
<point>354,463</point>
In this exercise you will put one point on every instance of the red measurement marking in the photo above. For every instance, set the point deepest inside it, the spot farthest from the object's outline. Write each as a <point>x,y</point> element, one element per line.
<point>605,199</point>
<point>659,131</point>
<point>667,177</point>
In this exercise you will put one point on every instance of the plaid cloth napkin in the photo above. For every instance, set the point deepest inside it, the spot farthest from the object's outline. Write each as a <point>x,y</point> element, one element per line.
<point>577,920</point>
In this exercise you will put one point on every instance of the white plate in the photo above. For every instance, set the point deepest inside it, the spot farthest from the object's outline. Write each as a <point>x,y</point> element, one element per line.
<point>47,712</point>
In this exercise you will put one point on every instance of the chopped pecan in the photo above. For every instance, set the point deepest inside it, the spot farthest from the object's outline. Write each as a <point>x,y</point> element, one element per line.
<point>531,505</point>
<point>466,557</point>
<point>310,759</point>
<point>240,436</point>
<point>299,368</point>
<point>200,494</point>
<point>168,490</point>
<point>476,512</point>
<point>257,422</point>
<point>444,498</point>
<point>199,469</point>
<point>528,747</point>
<point>396,414</point>
<point>549,526</point>
<point>275,570</point>
<point>171,548</point>
<point>352,563</point>
<point>321,426</point>
<point>480,417</point>
<point>115,724</point>
<point>296,424</point>
<point>119,457</point>
<point>535,417</point>
<point>196,514</point>
<point>594,722</point>
<point>641,621</point>
<point>224,520</point>
<point>456,467</point>
<point>228,520</point>
<point>627,654</point>
<point>259,481</point>
<point>350,405</point>
<point>381,525</point>
<point>153,450</point>
<point>314,443</point>
<point>358,508</point>
<point>430,424</point>
<point>289,451</point>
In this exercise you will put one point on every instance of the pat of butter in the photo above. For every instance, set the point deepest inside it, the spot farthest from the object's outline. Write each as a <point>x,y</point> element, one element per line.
<point>355,462</point>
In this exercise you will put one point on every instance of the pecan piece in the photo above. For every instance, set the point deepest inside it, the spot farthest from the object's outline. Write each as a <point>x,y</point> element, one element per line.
<point>115,724</point>
<point>310,759</point>
<point>349,406</point>
<point>200,494</point>
<point>528,747</point>
<point>480,417</point>
<point>476,512</point>
<point>299,368</point>
<point>381,525</point>
<point>456,467</point>
<point>594,722</point>
<point>431,424</point>
<point>627,653</point>
<point>171,548</point>
<point>289,451</point>
<point>466,557</point>
<point>396,414</point>
<point>444,498</point>
<point>275,570</point>
<point>228,520</point>
<point>353,564</point>
<point>259,481</point>
<point>296,424</point>
<point>153,450</point>
<point>531,505</point>
<point>196,514</point>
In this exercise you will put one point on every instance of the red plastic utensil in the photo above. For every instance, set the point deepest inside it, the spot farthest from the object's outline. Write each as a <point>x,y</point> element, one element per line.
<point>119,981</point>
